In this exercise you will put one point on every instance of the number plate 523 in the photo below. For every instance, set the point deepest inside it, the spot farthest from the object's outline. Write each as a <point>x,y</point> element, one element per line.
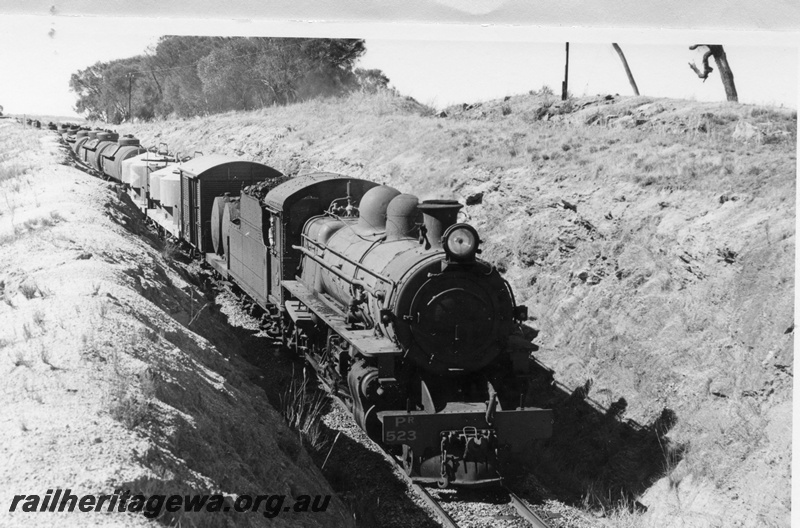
<point>399,429</point>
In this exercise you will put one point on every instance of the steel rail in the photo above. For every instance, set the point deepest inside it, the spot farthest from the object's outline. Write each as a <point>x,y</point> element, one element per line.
<point>525,511</point>
<point>444,517</point>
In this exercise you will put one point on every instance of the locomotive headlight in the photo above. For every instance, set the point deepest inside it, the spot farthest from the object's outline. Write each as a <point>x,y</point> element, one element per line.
<point>461,242</point>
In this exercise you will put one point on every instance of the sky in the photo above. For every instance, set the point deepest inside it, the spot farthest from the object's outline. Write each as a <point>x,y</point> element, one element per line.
<point>437,65</point>
<point>779,15</point>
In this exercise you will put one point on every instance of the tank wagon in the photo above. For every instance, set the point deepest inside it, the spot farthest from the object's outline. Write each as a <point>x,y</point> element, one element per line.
<point>81,137</point>
<point>89,148</point>
<point>114,155</point>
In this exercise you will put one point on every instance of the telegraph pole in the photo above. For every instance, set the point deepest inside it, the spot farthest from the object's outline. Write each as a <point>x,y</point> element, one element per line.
<point>130,89</point>
<point>565,84</point>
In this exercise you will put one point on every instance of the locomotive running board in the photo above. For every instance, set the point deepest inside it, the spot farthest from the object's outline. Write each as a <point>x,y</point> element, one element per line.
<point>365,341</point>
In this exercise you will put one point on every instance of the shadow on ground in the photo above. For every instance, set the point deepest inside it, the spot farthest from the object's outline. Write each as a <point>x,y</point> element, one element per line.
<point>595,456</point>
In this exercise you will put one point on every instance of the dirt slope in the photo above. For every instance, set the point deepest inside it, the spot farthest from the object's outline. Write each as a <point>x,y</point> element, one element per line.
<point>116,374</point>
<point>652,240</point>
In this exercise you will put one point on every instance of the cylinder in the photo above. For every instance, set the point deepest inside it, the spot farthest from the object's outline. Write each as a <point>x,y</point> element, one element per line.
<point>142,169</point>
<point>229,216</point>
<point>217,214</point>
<point>170,190</point>
<point>113,157</point>
<point>158,170</point>
<point>102,149</point>
<point>80,138</point>
<point>126,171</point>
<point>155,185</point>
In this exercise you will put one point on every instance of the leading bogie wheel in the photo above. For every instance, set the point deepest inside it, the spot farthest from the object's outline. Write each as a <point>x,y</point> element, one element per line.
<point>408,459</point>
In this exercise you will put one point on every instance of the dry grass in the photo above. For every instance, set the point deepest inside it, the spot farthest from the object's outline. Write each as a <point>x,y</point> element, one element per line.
<point>169,250</point>
<point>10,171</point>
<point>38,319</point>
<point>616,512</point>
<point>21,360</point>
<point>31,290</point>
<point>131,403</point>
<point>303,407</point>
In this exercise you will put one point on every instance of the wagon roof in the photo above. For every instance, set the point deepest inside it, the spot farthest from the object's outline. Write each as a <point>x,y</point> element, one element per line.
<point>298,186</point>
<point>165,171</point>
<point>197,166</point>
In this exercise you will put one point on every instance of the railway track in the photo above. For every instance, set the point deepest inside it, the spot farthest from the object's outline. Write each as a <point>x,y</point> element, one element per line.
<point>496,507</point>
<point>525,511</point>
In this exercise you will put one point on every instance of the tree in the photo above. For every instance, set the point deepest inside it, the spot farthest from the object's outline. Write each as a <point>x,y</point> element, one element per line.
<point>194,75</point>
<point>716,51</point>
<point>114,91</point>
<point>88,85</point>
<point>627,69</point>
<point>371,81</point>
<point>228,78</point>
<point>176,61</point>
<point>295,69</point>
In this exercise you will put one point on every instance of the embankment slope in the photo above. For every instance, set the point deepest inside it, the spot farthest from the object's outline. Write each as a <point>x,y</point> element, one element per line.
<point>652,240</point>
<point>117,373</point>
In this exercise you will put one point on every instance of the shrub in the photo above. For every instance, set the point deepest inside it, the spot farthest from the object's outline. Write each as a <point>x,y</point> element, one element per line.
<point>30,290</point>
<point>303,408</point>
<point>169,250</point>
<point>128,408</point>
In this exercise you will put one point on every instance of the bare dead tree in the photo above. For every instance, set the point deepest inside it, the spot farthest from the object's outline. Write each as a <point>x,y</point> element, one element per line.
<point>627,69</point>
<point>716,51</point>
<point>565,84</point>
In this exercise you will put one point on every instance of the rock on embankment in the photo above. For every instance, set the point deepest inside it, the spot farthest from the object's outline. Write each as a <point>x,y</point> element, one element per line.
<point>108,383</point>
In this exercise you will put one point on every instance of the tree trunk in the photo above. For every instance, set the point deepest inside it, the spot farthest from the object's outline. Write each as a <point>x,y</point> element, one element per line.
<point>627,69</point>
<point>725,73</point>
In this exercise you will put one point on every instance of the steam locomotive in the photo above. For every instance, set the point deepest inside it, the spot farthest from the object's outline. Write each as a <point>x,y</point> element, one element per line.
<point>383,294</point>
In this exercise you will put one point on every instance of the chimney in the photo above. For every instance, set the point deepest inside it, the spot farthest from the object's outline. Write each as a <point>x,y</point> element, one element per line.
<point>439,215</point>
